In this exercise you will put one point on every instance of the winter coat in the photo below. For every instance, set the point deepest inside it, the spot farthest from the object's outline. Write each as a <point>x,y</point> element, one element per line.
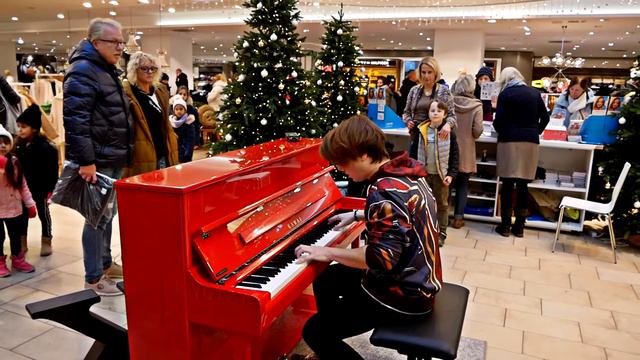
<point>144,153</point>
<point>469,118</point>
<point>521,115</point>
<point>562,104</point>
<point>446,151</point>
<point>216,97</point>
<point>11,199</point>
<point>97,119</point>
<point>404,269</point>
<point>39,161</point>
<point>187,135</point>
<point>12,99</point>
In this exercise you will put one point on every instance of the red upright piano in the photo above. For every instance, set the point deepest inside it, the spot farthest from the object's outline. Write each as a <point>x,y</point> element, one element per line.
<point>207,250</point>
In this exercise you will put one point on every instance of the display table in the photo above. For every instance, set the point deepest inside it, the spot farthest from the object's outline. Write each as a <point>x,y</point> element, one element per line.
<point>560,157</point>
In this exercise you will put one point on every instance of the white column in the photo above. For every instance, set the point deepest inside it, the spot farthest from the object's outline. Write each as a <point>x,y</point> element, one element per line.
<point>179,54</point>
<point>457,49</point>
<point>8,58</point>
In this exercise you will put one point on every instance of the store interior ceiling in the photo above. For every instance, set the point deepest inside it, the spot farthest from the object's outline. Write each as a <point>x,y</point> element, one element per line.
<point>608,29</point>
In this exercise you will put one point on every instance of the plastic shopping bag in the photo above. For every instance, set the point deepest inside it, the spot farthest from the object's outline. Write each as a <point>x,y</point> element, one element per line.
<point>93,201</point>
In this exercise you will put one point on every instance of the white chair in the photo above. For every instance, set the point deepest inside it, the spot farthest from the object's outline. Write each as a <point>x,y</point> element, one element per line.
<point>595,207</point>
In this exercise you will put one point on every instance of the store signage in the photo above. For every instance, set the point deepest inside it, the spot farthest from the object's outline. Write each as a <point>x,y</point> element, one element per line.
<point>377,62</point>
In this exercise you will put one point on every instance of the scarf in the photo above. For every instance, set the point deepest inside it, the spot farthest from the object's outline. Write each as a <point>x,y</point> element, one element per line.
<point>185,119</point>
<point>513,82</point>
<point>576,106</point>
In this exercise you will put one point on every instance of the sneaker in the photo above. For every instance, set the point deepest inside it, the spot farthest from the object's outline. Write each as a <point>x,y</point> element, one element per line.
<point>104,287</point>
<point>4,271</point>
<point>114,271</point>
<point>457,223</point>
<point>18,263</point>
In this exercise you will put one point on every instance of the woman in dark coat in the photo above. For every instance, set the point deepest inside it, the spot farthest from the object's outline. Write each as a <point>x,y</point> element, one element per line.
<point>521,116</point>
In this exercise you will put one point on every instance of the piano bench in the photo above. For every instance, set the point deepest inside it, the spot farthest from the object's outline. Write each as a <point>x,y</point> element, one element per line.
<point>437,336</point>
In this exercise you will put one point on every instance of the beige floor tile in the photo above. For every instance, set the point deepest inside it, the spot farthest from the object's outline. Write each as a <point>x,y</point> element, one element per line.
<point>59,283</point>
<point>619,355</point>
<point>455,276</point>
<point>17,329</point>
<point>560,266</point>
<point>555,293</point>
<point>462,252</point>
<point>499,354</point>
<point>611,339</point>
<point>627,322</point>
<point>557,256</point>
<point>495,336</point>
<point>460,241</point>
<point>564,329</point>
<point>483,237</point>
<point>593,251</point>
<point>56,344</point>
<point>607,263</point>
<point>483,267</point>
<point>18,305</point>
<point>13,292</point>
<point>494,282</point>
<point>619,276</point>
<point>514,260</point>
<point>636,288</point>
<point>485,313</point>
<point>552,348</point>
<point>588,283</point>
<point>537,243</point>
<point>501,249</point>
<point>615,303</point>
<point>8,355</point>
<point>541,277</point>
<point>510,301</point>
<point>585,314</point>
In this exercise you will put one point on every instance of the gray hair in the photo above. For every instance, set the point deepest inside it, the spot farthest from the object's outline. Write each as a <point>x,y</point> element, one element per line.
<point>464,86</point>
<point>507,74</point>
<point>135,61</point>
<point>97,26</point>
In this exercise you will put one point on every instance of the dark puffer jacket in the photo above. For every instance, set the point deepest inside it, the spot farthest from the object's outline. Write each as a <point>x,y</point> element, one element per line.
<point>97,119</point>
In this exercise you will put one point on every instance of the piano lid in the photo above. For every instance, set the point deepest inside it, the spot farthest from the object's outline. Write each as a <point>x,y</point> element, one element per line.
<point>190,176</point>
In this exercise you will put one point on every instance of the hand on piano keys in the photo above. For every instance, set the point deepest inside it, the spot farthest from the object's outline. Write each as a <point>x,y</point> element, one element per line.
<point>342,220</point>
<point>306,253</point>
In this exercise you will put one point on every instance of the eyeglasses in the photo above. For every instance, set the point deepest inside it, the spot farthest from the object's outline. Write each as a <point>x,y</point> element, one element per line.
<point>148,69</point>
<point>117,43</point>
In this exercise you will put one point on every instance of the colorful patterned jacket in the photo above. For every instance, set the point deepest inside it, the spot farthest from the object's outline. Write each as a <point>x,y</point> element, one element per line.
<point>404,270</point>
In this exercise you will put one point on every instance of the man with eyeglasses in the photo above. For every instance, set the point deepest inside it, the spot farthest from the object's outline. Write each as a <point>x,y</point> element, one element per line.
<point>98,130</point>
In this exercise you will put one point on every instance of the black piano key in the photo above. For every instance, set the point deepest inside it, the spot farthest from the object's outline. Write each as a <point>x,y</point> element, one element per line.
<point>258,279</point>
<point>251,285</point>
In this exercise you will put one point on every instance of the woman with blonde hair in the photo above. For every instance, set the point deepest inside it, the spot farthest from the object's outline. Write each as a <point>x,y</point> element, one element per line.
<point>155,142</point>
<point>216,97</point>
<point>521,116</point>
<point>420,98</point>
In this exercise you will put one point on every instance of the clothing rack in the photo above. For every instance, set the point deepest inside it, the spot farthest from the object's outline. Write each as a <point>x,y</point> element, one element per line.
<point>59,77</point>
<point>21,84</point>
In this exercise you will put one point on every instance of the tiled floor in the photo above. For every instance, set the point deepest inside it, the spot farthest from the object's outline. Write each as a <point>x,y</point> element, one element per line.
<point>526,302</point>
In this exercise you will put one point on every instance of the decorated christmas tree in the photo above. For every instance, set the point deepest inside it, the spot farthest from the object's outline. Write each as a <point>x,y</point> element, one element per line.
<point>626,214</point>
<point>336,91</point>
<point>269,96</point>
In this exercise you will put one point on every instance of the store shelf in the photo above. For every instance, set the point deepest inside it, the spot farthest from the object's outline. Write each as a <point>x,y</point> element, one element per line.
<point>549,225</point>
<point>481,197</point>
<point>488,162</point>
<point>534,185</point>
<point>490,181</point>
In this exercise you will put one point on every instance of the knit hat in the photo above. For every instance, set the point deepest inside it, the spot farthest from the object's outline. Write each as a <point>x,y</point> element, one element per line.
<point>178,101</point>
<point>7,134</point>
<point>32,117</point>
<point>485,71</point>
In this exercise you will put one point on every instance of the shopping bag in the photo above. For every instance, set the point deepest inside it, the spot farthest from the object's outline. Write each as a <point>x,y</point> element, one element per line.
<point>95,202</point>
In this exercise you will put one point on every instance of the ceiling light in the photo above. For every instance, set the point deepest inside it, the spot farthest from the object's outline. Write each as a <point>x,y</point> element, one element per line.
<point>524,21</point>
<point>603,49</point>
<point>528,33</point>
<point>146,2</point>
<point>114,3</point>
<point>526,28</point>
<point>602,20</point>
<point>503,48</point>
<point>171,10</point>
<point>491,21</point>
<point>139,33</point>
<point>112,13</point>
<point>569,53</point>
<point>137,37</point>
<point>591,33</point>
<point>428,39</point>
<point>624,55</point>
<point>610,44</point>
<point>429,48</point>
<point>18,49</point>
<point>53,41</point>
<point>20,41</point>
<point>60,16</point>
<point>421,34</point>
<point>87,4</point>
<point>14,18</point>
<point>201,47</point>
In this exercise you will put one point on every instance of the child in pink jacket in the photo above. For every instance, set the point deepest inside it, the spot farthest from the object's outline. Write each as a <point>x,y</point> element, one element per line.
<point>13,193</point>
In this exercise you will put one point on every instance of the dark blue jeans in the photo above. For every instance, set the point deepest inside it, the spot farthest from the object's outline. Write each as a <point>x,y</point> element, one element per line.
<point>462,189</point>
<point>96,243</point>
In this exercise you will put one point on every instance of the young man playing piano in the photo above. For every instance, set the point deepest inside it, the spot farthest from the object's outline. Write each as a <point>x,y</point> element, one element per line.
<point>396,275</point>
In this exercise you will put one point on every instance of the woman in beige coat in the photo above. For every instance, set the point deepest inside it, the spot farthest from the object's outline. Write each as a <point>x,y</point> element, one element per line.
<point>155,142</point>
<point>469,118</point>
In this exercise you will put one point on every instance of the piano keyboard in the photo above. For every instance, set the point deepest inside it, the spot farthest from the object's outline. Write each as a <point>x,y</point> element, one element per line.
<point>281,269</point>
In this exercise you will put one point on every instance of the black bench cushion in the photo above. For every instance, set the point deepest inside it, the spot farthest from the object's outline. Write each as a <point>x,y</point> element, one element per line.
<point>437,336</point>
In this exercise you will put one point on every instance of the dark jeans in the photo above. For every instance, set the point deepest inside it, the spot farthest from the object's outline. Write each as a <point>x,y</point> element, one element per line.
<point>462,189</point>
<point>43,213</point>
<point>344,310</point>
<point>522,195</point>
<point>14,228</point>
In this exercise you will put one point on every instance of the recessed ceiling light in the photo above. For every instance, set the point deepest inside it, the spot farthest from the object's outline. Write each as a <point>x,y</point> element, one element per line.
<point>428,39</point>
<point>603,49</point>
<point>112,13</point>
<point>114,3</point>
<point>602,20</point>
<point>20,41</point>
<point>18,49</point>
<point>591,33</point>
<point>139,33</point>
<point>399,44</point>
<point>429,48</point>
<point>87,4</point>
<point>171,10</point>
<point>576,46</point>
<point>137,37</point>
<point>626,33</point>
<point>14,18</point>
<point>617,64</point>
<point>305,30</point>
<point>624,55</point>
<point>53,41</point>
<point>527,33</point>
<point>503,48</point>
<point>611,44</point>
<point>143,2</point>
<point>421,34</point>
<point>569,53</point>
<point>60,16</point>
<point>491,21</point>
<point>526,28</point>
<point>201,47</point>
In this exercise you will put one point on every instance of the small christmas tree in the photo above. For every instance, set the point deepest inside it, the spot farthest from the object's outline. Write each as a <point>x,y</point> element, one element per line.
<point>336,91</point>
<point>626,214</point>
<point>269,96</point>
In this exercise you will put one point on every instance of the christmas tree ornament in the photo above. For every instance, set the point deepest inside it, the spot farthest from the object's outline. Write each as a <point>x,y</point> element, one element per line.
<point>339,32</point>
<point>261,43</point>
<point>263,121</point>
<point>241,77</point>
<point>294,22</point>
<point>622,120</point>
<point>636,204</point>
<point>335,125</point>
<point>278,65</point>
<point>358,112</point>
<point>235,54</point>
<point>340,64</point>
<point>318,63</point>
<point>281,86</point>
<point>339,98</point>
<point>319,82</point>
<point>607,186</point>
<point>259,5</point>
<point>264,73</point>
<point>245,44</point>
<point>356,89</point>
<point>313,131</point>
<point>341,83</point>
<point>294,75</point>
<point>273,37</point>
<point>228,137</point>
<point>238,101</point>
<point>313,103</point>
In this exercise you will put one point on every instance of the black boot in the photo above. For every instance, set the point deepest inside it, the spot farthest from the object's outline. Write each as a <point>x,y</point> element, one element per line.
<point>518,227</point>
<point>505,225</point>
